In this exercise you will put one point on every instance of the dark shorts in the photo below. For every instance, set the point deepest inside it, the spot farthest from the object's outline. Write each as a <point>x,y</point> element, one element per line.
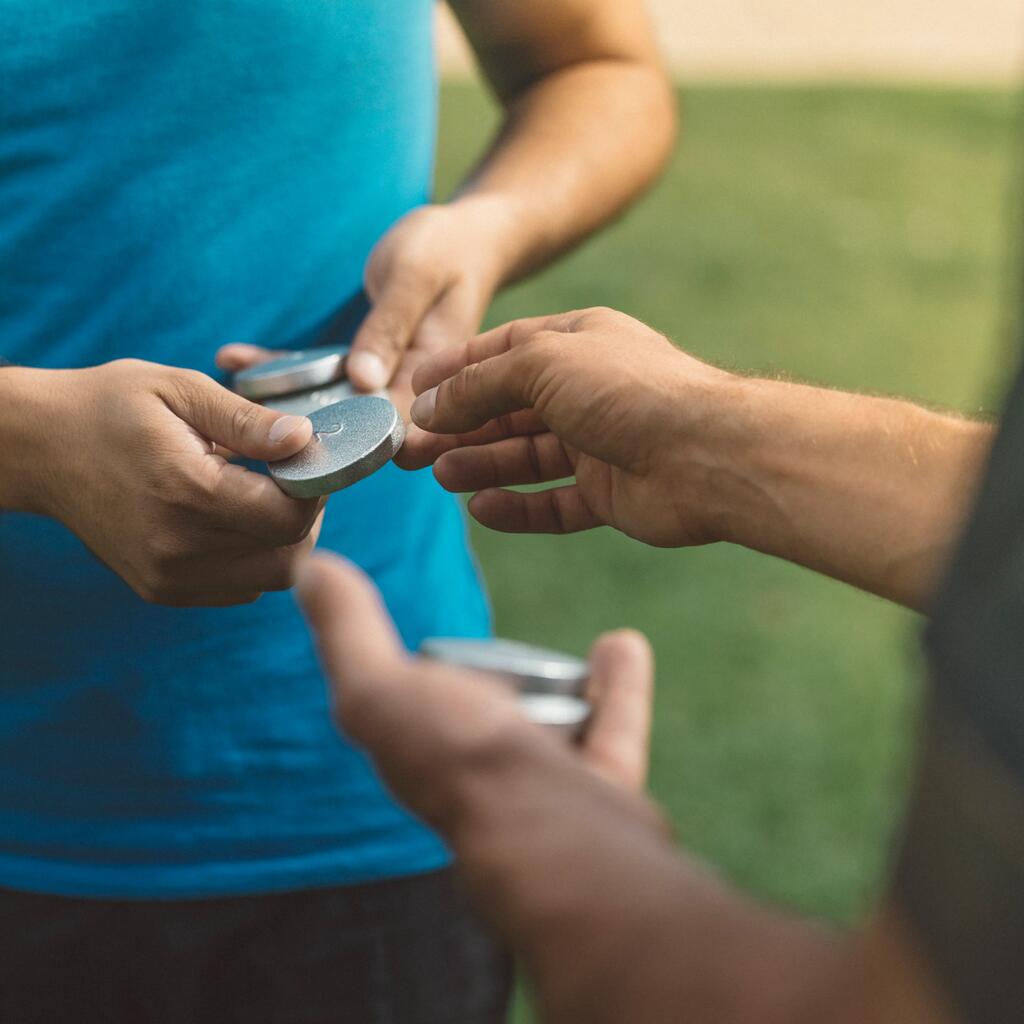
<point>397,952</point>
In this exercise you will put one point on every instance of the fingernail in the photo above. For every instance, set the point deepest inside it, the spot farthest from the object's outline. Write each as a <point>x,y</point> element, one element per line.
<point>284,426</point>
<point>369,368</point>
<point>422,410</point>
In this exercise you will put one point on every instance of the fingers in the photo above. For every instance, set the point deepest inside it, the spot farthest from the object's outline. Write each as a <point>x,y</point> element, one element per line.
<point>533,459</point>
<point>268,570</point>
<point>422,448</point>
<point>478,393</point>
<point>250,503</point>
<point>241,356</point>
<point>359,647</point>
<point>555,510</point>
<point>385,334</point>
<point>617,743</point>
<point>234,422</point>
<point>492,343</point>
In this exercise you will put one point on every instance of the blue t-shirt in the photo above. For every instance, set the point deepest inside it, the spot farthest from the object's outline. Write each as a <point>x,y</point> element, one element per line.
<point>174,176</point>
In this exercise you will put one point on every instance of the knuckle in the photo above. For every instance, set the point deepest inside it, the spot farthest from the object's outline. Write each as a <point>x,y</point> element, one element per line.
<point>245,418</point>
<point>166,552</point>
<point>280,574</point>
<point>390,330</point>
<point>540,349</point>
<point>462,387</point>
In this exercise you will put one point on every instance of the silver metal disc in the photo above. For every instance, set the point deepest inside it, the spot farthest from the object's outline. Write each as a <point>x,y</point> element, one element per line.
<point>556,711</point>
<point>296,371</point>
<point>529,669</point>
<point>351,440</point>
<point>302,403</point>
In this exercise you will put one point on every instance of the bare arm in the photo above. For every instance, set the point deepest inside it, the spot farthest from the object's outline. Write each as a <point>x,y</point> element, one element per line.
<point>572,865</point>
<point>589,117</point>
<point>676,452</point>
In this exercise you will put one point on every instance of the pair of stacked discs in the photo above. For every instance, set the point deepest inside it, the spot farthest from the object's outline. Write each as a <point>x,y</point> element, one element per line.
<point>354,434</point>
<point>551,685</point>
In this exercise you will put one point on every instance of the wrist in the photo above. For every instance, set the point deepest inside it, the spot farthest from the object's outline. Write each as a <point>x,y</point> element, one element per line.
<point>499,226</point>
<point>720,423</point>
<point>30,426</point>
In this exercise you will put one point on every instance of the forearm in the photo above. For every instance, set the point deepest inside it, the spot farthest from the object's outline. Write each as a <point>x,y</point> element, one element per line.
<point>584,133</point>
<point>869,490</point>
<point>610,922</point>
<point>25,425</point>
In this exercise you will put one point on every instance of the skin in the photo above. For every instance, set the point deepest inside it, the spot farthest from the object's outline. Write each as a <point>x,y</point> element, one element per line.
<point>576,871</point>
<point>572,864</point>
<point>589,120</point>
<point>676,452</point>
<point>126,455</point>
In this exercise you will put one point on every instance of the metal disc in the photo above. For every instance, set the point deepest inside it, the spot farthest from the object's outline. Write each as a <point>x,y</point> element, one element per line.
<point>529,669</point>
<point>296,371</point>
<point>351,440</point>
<point>556,711</point>
<point>303,403</point>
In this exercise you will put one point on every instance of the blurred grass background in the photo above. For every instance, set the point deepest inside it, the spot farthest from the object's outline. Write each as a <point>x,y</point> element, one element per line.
<point>858,237</point>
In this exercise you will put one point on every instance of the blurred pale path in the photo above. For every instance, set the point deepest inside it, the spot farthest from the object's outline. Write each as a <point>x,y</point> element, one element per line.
<point>962,40</point>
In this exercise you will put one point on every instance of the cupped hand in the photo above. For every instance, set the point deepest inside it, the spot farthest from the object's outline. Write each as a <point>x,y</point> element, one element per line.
<point>145,487</point>
<point>429,726</point>
<point>595,396</point>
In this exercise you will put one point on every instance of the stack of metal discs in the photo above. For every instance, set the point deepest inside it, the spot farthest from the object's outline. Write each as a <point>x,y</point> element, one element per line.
<point>354,434</point>
<point>551,685</point>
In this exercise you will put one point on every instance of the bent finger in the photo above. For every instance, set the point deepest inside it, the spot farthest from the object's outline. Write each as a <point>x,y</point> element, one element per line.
<point>534,459</point>
<point>422,448</point>
<point>244,501</point>
<point>239,355</point>
<point>388,329</point>
<point>554,510</point>
<point>491,343</point>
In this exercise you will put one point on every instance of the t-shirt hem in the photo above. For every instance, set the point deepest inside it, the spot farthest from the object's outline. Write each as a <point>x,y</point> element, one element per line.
<point>207,881</point>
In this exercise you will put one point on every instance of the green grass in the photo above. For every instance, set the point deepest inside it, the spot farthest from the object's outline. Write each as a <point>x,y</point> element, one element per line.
<point>856,237</point>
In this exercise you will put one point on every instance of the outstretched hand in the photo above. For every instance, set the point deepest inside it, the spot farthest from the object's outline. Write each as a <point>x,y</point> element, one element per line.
<point>595,396</point>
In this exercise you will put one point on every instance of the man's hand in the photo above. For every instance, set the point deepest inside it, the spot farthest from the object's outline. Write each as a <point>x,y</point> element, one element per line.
<point>431,727</point>
<point>429,280</point>
<point>125,455</point>
<point>672,451</point>
<point>593,395</point>
<point>570,863</point>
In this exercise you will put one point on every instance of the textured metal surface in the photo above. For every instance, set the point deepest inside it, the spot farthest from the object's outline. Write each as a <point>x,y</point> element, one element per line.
<point>351,440</point>
<point>529,669</point>
<point>566,715</point>
<point>302,403</point>
<point>296,371</point>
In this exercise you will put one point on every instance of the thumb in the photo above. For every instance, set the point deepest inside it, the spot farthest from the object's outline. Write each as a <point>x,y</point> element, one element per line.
<point>398,308</point>
<point>617,743</point>
<point>235,423</point>
<point>359,648</point>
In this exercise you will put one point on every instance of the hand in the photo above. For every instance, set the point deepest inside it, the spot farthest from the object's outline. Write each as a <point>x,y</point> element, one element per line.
<point>141,483</point>
<point>430,280</point>
<point>427,725</point>
<point>595,395</point>
<point>572,866</point>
